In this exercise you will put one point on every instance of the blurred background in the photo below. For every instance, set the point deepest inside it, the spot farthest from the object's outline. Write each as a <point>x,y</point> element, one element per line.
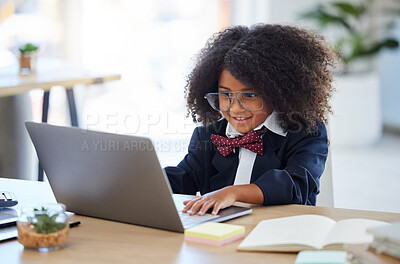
<point>152,44</point>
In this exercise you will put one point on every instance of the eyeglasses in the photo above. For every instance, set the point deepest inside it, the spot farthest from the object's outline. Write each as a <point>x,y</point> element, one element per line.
<point>247,99</point>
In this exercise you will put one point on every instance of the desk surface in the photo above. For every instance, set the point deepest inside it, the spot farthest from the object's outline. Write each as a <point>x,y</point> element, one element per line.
<point>101,241</point>
<point>50,72</point>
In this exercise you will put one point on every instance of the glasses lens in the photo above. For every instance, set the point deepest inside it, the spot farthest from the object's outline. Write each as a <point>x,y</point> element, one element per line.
<point>222,101</point>
<point>250,100</point>
<point>212,99</point>
<point>218,101</point>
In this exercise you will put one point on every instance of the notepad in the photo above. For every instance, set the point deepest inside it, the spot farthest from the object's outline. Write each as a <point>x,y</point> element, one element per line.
<point>216,234</point>
<point>307,232</point>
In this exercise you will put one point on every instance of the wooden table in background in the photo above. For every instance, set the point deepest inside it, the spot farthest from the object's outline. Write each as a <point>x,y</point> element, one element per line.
<point>101,241</point>
<point>50,72</point>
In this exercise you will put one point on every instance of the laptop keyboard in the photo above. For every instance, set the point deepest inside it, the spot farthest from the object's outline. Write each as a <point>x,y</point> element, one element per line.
<point>188,220</point>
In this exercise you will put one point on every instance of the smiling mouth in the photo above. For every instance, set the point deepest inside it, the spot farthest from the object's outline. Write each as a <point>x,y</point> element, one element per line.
<point>241,118</point>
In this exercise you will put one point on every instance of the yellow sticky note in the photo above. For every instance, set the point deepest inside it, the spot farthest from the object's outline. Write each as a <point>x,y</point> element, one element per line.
<point>215,231</point>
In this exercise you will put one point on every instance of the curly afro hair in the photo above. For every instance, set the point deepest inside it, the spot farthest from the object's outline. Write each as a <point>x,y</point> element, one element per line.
<point>288,66</point>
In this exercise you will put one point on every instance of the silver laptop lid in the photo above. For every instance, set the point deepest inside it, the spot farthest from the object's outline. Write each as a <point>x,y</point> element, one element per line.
<point>110,176</point>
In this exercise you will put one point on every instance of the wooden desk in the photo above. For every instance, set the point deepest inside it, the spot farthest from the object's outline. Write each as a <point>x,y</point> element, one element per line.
<point>101,241</point>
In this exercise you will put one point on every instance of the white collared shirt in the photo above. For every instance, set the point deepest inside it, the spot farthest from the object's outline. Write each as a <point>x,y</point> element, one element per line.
<point>247,157</point>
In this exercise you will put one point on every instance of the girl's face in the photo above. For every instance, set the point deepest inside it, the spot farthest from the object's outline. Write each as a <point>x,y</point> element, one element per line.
<point>241,119</point>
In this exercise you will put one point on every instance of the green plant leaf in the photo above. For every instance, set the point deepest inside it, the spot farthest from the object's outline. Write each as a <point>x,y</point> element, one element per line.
<point>348,8</point>
<point>28,47</point>
<point>361,50</point>
<point>53,217</point>
<point>45,223</point>
<point>387,43</point>
<point>324,18</point>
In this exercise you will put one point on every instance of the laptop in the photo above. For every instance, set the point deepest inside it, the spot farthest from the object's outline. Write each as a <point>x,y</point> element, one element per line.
<point>114,177</point>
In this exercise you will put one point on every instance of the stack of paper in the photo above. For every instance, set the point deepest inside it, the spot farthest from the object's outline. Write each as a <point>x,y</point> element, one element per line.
<point>216,234</point>
<point>386,239</point>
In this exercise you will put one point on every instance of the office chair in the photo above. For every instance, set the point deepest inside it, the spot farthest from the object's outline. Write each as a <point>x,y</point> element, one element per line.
<point>325,196</point>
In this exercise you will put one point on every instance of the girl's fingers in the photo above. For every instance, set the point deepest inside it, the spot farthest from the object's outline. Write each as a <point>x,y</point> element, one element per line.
<point>196,206</point>
<point>217,207</point>
<point>207,205</point>
<point>189,204</point>
<point>185,202</point>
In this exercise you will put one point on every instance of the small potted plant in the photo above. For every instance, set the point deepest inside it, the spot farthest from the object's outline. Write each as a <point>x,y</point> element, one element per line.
<point>43,229</point>
<point>27,58</point>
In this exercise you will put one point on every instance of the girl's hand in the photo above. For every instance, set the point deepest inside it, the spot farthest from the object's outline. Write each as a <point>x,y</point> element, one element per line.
<point>219,199</point>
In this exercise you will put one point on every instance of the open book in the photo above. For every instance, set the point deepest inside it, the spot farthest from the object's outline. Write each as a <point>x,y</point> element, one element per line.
<point>305,232</point>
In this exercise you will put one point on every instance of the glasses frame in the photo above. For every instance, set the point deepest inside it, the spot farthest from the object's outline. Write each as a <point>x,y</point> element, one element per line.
<point>230,97</point>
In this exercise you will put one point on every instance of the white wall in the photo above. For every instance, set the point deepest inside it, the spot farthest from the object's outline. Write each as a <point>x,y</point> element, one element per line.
<point>389,71</point>
<point>248,12</point>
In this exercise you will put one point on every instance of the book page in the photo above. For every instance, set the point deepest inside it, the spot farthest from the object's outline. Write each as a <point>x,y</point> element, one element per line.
<point>352,231</point>
<point>285,232</point>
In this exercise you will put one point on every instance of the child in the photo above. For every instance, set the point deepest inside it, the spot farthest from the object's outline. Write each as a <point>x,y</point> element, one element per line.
<point>262,95</point>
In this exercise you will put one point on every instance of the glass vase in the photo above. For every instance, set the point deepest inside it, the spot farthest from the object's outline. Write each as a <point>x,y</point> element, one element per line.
<point>43,227</point>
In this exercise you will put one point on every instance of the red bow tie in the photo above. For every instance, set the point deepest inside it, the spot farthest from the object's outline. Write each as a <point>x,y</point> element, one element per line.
<point>251,141</point>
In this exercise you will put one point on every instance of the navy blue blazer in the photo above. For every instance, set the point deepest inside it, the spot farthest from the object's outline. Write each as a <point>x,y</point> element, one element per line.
<point>288,171</point>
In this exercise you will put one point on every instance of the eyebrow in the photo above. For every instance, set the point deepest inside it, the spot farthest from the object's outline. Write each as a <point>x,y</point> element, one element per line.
<point>223,87</point>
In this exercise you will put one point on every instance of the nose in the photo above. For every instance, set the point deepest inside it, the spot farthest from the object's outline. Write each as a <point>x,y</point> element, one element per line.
<point>235,106</point>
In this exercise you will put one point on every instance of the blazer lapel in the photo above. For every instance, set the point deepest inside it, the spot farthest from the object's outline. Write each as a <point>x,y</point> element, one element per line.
<point>226,166</point>
<point>275,141</point>
<point>269,160</point>
<point>220,162</point>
